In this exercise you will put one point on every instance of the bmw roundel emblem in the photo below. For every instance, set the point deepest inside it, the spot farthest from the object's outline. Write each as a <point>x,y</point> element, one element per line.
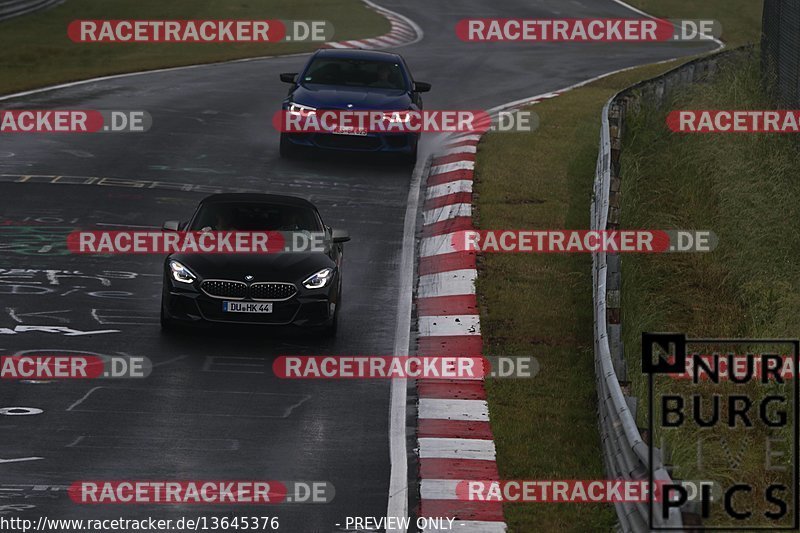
<point>248,278</point>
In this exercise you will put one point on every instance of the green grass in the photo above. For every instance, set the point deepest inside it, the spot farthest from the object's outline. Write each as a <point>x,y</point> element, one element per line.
<point>744,188</point>
<point>546,428</point>
<point>541,305</point>
<point>740,19</point>
<point>35,50</point>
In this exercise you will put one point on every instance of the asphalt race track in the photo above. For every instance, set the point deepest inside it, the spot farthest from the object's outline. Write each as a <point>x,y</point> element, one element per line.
<point>211,408</point>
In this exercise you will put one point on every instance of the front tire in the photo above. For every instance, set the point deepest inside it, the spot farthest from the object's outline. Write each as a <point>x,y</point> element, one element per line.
<point>411,157</point>
<point>330,330</point>
<point>167,324</point>
<point>287,148</point>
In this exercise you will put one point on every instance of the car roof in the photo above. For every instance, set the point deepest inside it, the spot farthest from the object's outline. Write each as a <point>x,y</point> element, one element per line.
<point>358,54</point>
<point>256,198</point>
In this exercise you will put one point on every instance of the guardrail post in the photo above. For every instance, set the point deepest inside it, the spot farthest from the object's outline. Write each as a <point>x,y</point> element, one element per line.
<point>615,125</point>
<point>614,319</point>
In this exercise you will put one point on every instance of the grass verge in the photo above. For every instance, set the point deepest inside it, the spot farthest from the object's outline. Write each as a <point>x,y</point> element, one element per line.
<point>35,50</point>
<point>541,305</point>
<point>740,19</point>
<point>744,188</point>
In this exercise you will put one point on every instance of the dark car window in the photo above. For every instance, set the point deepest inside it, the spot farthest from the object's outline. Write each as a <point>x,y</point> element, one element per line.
<point>355,73</point>
<point>255,217</point>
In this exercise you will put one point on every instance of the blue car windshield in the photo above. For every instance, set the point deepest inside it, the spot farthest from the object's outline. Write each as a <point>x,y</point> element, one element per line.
<point>355,73</point>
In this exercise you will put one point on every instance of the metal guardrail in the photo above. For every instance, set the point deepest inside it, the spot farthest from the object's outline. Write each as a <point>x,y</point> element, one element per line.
<point>780,48</point>
<point>15,8</point>
<point>626,454</point>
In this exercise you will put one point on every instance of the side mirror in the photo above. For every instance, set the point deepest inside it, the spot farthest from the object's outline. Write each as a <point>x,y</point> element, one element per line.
<point>340,235</point>
<point>171,225</point>
<point>288,77</point>
<point>421,87</point>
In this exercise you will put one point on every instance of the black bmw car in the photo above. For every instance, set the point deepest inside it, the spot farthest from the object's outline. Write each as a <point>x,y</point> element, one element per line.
<point>300,288</point>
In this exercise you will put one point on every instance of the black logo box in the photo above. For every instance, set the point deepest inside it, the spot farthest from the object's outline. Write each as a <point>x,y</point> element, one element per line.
<point>677,365</point>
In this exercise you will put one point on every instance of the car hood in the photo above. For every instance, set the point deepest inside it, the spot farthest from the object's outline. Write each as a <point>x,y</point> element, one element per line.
<point>337,97</point>
<point>290,267</point>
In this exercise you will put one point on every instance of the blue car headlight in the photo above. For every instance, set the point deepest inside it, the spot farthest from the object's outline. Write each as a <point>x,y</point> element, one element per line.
<point>397,117</point>
<point>180,273</point>
<point>319,279</point>
<point>300,109</point>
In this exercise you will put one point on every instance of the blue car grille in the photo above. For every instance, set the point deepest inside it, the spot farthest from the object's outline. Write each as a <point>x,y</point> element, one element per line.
<point>348,142</point>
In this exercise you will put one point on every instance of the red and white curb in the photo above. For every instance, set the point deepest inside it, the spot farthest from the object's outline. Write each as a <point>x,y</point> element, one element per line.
<point>404,31</point>
<point>454,435</point>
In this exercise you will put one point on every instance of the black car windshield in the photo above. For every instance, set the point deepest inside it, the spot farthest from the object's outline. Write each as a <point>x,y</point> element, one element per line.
<point>255,217</point>
<point>355,73</point>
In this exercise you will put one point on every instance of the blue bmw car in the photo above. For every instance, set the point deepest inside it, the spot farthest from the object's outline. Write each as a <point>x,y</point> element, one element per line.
<point>353,80</point>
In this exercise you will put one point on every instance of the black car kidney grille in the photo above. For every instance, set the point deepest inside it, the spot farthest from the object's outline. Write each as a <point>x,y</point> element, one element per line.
<point>220,288</point>
<point>272,291</point>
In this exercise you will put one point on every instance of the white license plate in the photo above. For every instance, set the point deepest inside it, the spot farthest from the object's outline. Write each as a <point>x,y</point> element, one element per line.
<point>349,131</point>
<point>246,307</point>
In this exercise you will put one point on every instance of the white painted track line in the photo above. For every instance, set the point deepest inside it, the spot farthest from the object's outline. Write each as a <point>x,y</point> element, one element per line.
<point>451,187</point>
<point>470,410</point>
<point>450,283</point>
<point>450,167</point>
<point>447,212</point>
<point>448,326</point>
<point>477,449</point>
<point>437,245</point>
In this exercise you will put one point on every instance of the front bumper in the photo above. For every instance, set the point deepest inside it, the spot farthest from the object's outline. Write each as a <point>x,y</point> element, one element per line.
<point>373,142</point>
<point>307,308</point>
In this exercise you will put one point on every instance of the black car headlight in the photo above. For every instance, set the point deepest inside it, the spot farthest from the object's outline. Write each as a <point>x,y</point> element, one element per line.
<point>319,279</point>
<point>181,273</point>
